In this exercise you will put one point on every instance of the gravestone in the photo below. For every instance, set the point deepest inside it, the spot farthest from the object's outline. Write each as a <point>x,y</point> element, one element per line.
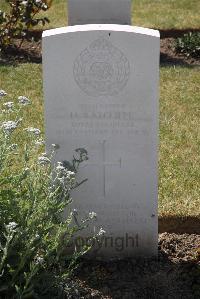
<point>82,12</point>
<point>101,94</point>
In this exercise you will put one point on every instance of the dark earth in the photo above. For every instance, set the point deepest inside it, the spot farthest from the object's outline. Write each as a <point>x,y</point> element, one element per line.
<point>175,273</point>
<point>30,51</point>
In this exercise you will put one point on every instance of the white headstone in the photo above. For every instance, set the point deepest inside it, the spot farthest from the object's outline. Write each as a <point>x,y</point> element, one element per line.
<point>82,12</point>
<point>101,94</point>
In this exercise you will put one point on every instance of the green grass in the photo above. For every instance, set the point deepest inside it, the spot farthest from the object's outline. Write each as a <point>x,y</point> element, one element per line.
<point>179,130</point>
<point>165,14</point>
<point>57,14</point>
<point>179,191</point>
<point>25,79</point>
<point>159,14</point>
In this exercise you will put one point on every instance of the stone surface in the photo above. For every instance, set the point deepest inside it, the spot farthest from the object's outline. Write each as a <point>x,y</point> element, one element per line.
<point>101,94</point>
<point>82,12</point>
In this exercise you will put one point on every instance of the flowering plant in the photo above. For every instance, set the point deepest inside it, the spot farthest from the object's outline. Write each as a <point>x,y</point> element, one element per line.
<point>34,193</point>
<point>188,44</point>
<point>21,17</point>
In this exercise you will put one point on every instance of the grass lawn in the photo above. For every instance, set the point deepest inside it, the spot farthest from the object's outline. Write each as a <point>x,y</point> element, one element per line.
<point>179,142</point>
<point>179,130</point>
<point>165,14</point>
<point>159,14</point>
<point>25,79</point>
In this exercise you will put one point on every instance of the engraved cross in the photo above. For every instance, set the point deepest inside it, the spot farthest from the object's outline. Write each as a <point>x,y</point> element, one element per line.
<point>104,165</point>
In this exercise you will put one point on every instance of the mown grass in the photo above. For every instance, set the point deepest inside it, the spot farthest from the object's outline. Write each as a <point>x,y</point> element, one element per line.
<point>161,14</point>
<point>166,14</point>
<point>179,188</point>
<point>179,164</point>
<point>25,79</point>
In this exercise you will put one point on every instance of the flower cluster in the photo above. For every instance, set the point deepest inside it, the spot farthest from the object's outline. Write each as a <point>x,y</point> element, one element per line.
<point>39,260</point>
<point>39,142</point>
<point>34,131</point>
<point>9,126</point>
<point>11,226</point>
<point>24,100</point>
<point>22,16</point>
<point>44,159</point>
<point>2,93</point>
<point>36,193</point>
<point>101,232</point>
<point>92,215</point>
<point>39,3</point>
<point>8,105</point>
<point>65,177</point>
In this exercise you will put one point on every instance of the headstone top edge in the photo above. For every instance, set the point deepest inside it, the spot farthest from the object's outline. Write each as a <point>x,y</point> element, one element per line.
<point>103,27</point>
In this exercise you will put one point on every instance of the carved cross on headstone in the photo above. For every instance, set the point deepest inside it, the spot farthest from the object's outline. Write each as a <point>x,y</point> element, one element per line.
<point>104,164</point>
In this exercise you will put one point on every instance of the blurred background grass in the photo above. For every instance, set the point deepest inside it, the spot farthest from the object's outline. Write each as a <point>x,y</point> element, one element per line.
<point>159,14</point>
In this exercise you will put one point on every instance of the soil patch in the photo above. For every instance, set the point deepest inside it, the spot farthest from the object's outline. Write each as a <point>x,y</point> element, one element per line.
<point>22,52</point>
<point>174,274</point>
<point>174,33</point>
<point>168,54</point>
<point>179,224</point>
<point>31,51</point>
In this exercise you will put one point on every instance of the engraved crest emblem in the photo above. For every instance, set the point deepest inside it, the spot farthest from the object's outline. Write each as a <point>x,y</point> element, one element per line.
<point>101,69</point>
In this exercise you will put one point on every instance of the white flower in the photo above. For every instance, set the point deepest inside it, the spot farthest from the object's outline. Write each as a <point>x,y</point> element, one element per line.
<point>55,146</point>
<point>101,232</point>
<point>62,180</point>
<point>44,6</point>
<point>35,131</point>
<point>9,126</point>
<point>60,166</point>
<point>38,1</point>
<point>13,147</point>
<point>70,174</point>
<point>24,3</point>
<point>44,154</point>
<point>2,93</point>
<point>39,142</point>
<point>65,177</point>
<point>23,100</point>
<point>92,215</point>
<point>11,226</point>
<point>37,237</point>
<point>43,160</point>
<point>39,260</point>
<point>26,171</point>
<point>8,105</point>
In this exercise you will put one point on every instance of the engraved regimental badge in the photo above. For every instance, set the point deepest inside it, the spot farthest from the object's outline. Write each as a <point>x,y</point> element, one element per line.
<point>101,69</point>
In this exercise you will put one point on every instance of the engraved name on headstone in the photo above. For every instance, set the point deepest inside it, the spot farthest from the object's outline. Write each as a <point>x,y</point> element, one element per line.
<point>81,12</point>
<point>101,94</point>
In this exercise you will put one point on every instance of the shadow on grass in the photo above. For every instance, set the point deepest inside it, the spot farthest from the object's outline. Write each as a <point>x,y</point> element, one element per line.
<point>168,60</point>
